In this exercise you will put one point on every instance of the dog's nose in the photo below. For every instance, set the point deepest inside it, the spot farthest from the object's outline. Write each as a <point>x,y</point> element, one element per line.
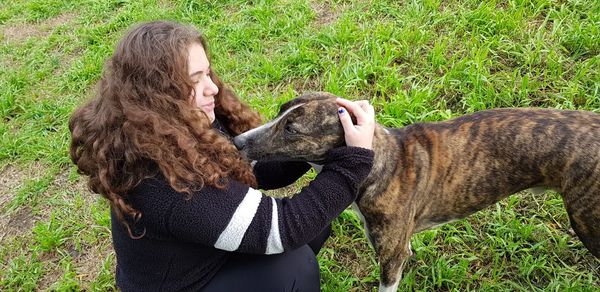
<point>239,142</point>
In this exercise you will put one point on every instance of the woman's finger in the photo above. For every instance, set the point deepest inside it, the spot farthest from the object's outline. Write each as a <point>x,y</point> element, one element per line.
<point>363,104</point>
<point>367,107</point>
<point>371,110</point>
<point>355,109</point>
<point>345,120</point>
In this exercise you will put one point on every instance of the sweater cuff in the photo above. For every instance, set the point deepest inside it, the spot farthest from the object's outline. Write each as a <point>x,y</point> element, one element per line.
<point>354,162</point>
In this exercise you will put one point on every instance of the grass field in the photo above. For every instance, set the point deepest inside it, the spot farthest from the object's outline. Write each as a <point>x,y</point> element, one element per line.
<point>415,60</point>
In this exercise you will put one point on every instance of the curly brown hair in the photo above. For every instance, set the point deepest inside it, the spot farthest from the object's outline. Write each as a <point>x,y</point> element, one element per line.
<point>141,122</point>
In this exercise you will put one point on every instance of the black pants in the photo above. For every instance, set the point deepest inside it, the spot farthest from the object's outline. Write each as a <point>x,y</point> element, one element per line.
<point>294,270</point>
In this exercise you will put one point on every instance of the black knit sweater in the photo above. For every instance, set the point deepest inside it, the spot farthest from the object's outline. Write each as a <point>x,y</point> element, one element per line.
<point>187,241</point>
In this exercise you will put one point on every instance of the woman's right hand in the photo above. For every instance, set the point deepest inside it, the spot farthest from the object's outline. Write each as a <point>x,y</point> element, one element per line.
<point>361,134</point>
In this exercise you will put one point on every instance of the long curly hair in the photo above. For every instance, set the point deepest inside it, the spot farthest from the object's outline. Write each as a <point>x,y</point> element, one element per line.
<point>142,122</point>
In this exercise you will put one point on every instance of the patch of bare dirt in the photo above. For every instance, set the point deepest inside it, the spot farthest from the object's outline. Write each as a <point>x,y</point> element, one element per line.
<point>11,178</point>
<point>19,32</point>
<point>300,85</point>
<point>166,4</point>
<point>65,58</point>
<point>86,263</point>
<point>325,13</point>
<point>51,276</point>
<point>307,84</point>
<point>20,221</point>
<point>89,263</point>
<point>354,256</point>
<point>87,257</point>
<point>61,182</point>
<point>8,62</point>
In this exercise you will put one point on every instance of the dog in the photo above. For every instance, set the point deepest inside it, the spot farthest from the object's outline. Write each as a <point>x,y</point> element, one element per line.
<point>428,174</point>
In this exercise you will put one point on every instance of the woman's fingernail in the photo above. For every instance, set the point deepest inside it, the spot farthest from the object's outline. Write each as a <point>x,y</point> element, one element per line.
<point>341,111</point>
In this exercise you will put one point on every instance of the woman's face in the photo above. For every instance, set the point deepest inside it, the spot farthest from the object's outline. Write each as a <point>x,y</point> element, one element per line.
<point>204,88</point>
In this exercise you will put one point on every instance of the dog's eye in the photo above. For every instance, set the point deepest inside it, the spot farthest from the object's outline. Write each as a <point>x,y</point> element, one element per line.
<point>289,129</point>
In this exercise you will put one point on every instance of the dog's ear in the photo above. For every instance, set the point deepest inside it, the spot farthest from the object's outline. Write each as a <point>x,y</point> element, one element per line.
<point>319,95</point>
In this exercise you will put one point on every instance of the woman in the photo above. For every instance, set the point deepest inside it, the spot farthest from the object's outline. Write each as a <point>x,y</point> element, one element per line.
<point>185,212</point>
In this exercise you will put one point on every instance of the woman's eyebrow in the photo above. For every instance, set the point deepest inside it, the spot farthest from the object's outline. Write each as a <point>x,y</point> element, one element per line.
<point>200,72</point>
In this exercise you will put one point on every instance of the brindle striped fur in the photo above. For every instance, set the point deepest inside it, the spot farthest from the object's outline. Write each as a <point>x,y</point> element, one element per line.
<point>428,174</point>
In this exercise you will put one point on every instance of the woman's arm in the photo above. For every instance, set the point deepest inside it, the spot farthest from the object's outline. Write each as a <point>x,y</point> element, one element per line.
<point>277,174</point>
<point>242,219</point>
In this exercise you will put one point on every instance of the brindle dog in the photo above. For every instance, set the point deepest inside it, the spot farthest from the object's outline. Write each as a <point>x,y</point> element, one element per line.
<point>428,174</point>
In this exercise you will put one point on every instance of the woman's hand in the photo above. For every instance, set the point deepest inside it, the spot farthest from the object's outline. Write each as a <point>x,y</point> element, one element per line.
<point>361,134</point>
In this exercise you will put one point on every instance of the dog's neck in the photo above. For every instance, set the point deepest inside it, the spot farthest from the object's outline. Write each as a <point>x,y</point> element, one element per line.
<point>382,144</point>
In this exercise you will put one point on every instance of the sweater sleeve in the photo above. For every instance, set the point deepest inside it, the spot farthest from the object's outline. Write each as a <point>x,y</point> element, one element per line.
<point>242,219</point>
<point>277,174</point>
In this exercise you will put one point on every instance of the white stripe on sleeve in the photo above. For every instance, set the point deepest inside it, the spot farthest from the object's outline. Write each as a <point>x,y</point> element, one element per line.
<point>274,241</point>
<point>233,234</point>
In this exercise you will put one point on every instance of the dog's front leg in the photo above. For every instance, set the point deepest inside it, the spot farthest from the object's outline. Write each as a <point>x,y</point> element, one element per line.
<point>391,267</point>
<point>392,245</point>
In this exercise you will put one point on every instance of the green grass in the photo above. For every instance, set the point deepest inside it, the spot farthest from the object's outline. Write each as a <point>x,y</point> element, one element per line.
<point>415,60</point>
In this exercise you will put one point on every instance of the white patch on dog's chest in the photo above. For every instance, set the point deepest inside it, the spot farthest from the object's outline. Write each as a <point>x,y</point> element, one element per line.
<point>364,222</point>
<point>317,167</point>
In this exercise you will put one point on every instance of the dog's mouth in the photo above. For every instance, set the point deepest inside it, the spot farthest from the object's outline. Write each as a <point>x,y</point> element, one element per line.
<point>248,155</point>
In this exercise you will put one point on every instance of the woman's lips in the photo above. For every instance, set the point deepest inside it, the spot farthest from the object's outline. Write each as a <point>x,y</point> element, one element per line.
<point>210,106</point>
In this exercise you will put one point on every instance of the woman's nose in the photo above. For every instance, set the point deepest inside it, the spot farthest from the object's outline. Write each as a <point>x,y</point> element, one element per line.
<point>211,88</point>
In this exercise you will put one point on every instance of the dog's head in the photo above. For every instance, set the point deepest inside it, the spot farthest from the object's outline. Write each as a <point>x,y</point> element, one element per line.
<point>304,130</point>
